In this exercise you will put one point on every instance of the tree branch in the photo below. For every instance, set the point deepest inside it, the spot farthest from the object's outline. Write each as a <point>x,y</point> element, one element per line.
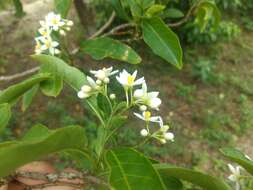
<point>19,75</point>
<point>104,27</point>
<point>118,28</point>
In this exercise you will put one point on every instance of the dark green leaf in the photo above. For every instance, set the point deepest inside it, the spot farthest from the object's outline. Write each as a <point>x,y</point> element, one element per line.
<point>28,97</point>
<point>130,170</point>
<point>104,47</point>
<point>238,157</point>
<point>162,40</point>
<point>19,8</point>
<point>5,115</point>
<point>13,92</point>
<point>17,153</point>
<point>120,9</point>
<point>205,181</point>
<point>62,7</point>
<point>61,72</point>
<point>103,104</point>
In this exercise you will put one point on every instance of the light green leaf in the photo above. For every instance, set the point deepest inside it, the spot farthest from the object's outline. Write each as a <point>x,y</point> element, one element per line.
<point>130,170</point>
<point>162,40</point>
<point>12,93</point>
<point>104,47</point>
<point>5,115</point>
<point>62,7</point>
<point>28,97</point>
<point>238,157</point>
<point>154,9</point>
<point>205,12</point>
<point>173,13</point>
<point>145,4</point>
<point>61,71</point>
<point>17,153</point>
<point>205,181</point>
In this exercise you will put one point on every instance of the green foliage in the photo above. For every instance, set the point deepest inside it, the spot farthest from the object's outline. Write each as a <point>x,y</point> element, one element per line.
<point>104,47</point>
<point>60,72</point>
<point>19,8</point>
<point>162,40</point>
<point>238,157</point>
<point>28,97</point>
<point>131,170</point>
<point>62,7</point>
<point>39,143</point>
<point>11,94</point>
<point>203,180</point>
<point>5,113</point>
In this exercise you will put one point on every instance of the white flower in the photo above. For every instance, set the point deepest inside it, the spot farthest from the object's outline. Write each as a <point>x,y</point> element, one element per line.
<point>112,96</point>
<point>44,31</point>
<point>55,21</point>
<point>143,108</point>
<point>82,94</point>
<point>128,80</point>
<point>38,49</point>
<point>144,132</point>
<point>235,176</point>
<point>149,98</point>
<point>146,116</point>
<point>169,136</point>
<point>103,74</point>
<point>49,44</point>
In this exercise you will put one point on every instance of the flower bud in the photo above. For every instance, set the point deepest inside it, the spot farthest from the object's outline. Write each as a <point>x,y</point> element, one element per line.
<point>86,88</point>
<point>162,141</point>
<point>101,75</point>
<point>62,32</point>
<point>68,28</point>
<point>106,80</point>
<point>165,128</point>
<point>56,51</point>
<point>82,94</point>
<point>169,136</point>
<point>70,23</point>
<point>143,108</point>
<point>98,82</point>
<point>112,96</point>
<point>144,132</point>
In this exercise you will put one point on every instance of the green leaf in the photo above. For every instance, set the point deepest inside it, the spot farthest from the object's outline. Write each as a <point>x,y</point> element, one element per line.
<point>62,7</point>
<point>154,9</point>
<point>36,132</point>
<point>19,8</point>
<point>206,11</point>
<point>104,47</point>
<point>5,115</point>
<point>17,153</point>
<point>28,97</point>
<point>238,157</point>
<point>60,71</point>
<point>135,8</point>
<point>145,4</point>
<point>12,93</point>
<point>173,13</point>
<point>103,104</point>
<point>172,183</point>
<point>130,170</point>
<point>205,181</point>
<point>120,9</point>
<point>162,40</point>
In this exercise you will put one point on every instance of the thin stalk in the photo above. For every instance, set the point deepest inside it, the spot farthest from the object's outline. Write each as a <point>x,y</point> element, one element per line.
<point>96,113</point>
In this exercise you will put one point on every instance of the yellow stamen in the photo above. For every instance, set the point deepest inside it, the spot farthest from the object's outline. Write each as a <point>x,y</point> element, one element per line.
<point>54,21</point>
<point>48,43</point>
<point>147,115</point>
<point>130,80</point>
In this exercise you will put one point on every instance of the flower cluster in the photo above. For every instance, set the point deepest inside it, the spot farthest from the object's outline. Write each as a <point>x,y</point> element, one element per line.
<point>146,101</point>
<point>53,24</point>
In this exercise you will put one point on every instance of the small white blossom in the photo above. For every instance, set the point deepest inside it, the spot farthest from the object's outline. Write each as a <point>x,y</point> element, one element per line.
<point>55,21</point>
<point>169,136</point>
<point>86,88</point>
<point>235,176</point>
<point>144,132</point>
<point>146,116</point>
<point>143,108</point>
<point>149,98</point>
<point>112,96</point>
<point>82,94</point>
<point>128,80</point>
<point>50,45</point>
<point>104,74</point>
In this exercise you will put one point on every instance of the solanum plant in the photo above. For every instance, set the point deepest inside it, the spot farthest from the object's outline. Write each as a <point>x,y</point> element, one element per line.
<point>113,166</point>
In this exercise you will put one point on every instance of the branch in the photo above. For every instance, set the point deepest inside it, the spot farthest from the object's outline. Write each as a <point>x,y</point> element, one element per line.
<point>63,179</point>
<point>104,27</point>
<point>19,75</point>
<point>117,28</point>
<point>187,16</point>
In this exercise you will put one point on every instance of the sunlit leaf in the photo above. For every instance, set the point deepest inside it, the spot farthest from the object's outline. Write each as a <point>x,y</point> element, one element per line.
<point>62,7</point>
<point>105,47</point>
<point>5,115</point>
<point>162,40</point>
<point>28,97</point>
